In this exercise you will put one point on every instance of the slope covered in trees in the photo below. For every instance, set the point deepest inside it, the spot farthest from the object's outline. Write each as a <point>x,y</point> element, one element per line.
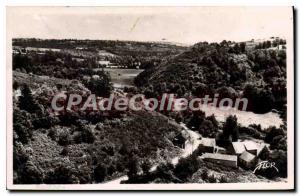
<point>230,69</point>
<point>79,147</point>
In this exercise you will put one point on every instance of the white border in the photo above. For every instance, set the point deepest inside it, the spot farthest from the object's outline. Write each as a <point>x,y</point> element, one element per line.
<point>231,186</point>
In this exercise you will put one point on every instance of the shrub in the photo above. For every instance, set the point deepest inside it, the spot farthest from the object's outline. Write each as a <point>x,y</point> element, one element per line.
<point>207,129</point>
<point>100,172</point>
<point>272,132</point>
<point>24,134</point>
<point>186,167</point>
<point>212,179</point>
<point>84,134</point>
<point>61,175</point>
<point>223,179</point>
<point>64,138</point>
<point>204,174</point>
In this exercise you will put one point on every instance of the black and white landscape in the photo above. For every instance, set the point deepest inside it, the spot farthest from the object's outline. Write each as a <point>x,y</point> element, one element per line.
<point>159,146</point>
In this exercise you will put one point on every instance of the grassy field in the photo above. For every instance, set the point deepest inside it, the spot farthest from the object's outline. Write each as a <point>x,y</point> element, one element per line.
<point>245,118</point>
<point>122,77</point>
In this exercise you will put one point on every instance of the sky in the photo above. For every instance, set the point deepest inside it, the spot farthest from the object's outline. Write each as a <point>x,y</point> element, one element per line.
<point>186,25</point>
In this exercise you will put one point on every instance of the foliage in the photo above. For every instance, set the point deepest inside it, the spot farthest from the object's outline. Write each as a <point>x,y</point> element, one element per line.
<point>231,128</point>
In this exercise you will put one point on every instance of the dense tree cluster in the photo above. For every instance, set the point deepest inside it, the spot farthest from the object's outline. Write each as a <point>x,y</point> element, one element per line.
<point>257,74</point>
<point>82,150</point>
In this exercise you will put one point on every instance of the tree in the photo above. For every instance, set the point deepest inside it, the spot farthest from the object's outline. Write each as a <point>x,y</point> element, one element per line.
<point>100,86</point>
<point>27,102</point>
<point>213,119</point>
<point>86,134</point>
<point>64,138</point>
<point>196,120</point>
<point>186,167</point>
<point>24,133</point>
<point>207,129</point>
<point>259,100</point>
<point>133,166</point>
<point>146,166</point>
<point>21,62</point>
<point>231,128</point>
<point>242,47</point>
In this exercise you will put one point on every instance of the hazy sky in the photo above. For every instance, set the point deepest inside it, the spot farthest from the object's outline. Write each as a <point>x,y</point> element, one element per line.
<point>184,25</point>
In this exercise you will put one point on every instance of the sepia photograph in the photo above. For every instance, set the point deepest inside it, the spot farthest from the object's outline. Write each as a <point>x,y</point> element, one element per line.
<point>150,98</point>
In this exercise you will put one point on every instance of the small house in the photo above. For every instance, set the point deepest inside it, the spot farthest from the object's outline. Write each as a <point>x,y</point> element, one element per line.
<point>251,147</point>
<point>179,141</point>
<point>222,159</point>
<point>247,160</point>
<point>236,148</point>
<point>207,145</point>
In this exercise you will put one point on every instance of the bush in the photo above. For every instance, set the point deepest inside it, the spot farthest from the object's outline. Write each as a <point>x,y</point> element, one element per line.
<point>24,134</point>
<point>61,175</point>
<point>251,132</point>
<point>64,138</point>
<point>207,129</point>
<point>31,174</point>
<point>85,134</point>
<point>204,174</point>
<point>223,179</point>
<point>186,167</point>
<point>44,122</point>
<point>212,179</point>
<point>100,172</point>
<point>65,151</point>
<point>272,132</point>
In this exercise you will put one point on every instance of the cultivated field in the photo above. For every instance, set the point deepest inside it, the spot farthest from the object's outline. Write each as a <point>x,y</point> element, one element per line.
<point>122,77</point>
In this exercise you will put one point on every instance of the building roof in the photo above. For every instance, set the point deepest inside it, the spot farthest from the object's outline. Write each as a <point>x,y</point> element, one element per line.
<point>247,156</point>
<point>220,156</point>
<point>208,142</point>
<point>238,147</point>
<point>261,148</point>
<point>250,145</point>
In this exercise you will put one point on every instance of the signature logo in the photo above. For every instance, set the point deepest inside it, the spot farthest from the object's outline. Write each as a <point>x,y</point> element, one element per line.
<point>265,165</point>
